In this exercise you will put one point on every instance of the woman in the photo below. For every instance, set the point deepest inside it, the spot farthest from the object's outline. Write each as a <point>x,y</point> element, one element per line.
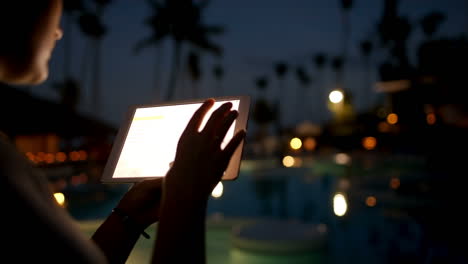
<point>35,228</point>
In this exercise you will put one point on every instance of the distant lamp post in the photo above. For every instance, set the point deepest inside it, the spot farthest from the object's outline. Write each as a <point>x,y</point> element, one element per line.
<point>60,198</point>
<point>295,143</point>
<point>340,206</point>
<point>336,96</point>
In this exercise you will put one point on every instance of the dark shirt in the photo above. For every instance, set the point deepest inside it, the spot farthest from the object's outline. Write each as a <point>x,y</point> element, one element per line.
<point>35,228</point>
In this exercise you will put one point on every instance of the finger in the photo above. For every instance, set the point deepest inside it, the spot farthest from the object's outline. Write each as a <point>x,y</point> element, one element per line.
<point>223,129</point>
<point>216,118</point>
<point>233,144</point>
<point>197,117</point>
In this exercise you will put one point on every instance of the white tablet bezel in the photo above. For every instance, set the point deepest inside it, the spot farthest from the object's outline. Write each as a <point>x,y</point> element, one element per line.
<point>233,168</point>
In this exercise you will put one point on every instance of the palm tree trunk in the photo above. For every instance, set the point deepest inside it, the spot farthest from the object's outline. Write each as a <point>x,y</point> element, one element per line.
<point>96,92</point>
<point>345,42</point>
<point>157,72</point>
<point>367,85</point>
<point>195,88</point>
<point>279,97</point>
<point>175,71</point>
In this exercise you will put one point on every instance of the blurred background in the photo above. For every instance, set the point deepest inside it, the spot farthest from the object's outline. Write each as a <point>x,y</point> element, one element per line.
<point>357,131</point>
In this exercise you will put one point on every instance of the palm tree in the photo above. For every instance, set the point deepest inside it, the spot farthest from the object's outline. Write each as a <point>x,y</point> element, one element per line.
<point>337,67</point>
<point>71,9</point>
<point>431,22</point>
<point>69,88</point>
<point>91,25</point>
<point>366,49</point>
<point>301,95</point>
<point>263,114</point>
<point>281,69</point>
<point>394,31</point>
<point>181,21</point>
<point>193,67</point>
<point>346,6</point>
<point>320,59</point>
<point>218,72</point>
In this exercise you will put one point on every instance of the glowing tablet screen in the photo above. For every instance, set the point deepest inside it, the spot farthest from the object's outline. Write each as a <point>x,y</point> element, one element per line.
<point>150,144</point>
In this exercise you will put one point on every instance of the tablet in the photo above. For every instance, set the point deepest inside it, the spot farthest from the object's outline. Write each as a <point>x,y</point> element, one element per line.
<point>146,143</point>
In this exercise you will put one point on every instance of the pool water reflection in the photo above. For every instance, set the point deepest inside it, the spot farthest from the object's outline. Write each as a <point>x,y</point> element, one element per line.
<point>366,233</point>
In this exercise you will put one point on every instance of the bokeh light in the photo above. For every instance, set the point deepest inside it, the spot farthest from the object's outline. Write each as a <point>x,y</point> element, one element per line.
<point>431,119</point>
<point>336,96</point>
<point>288,161</point>
<point>295,143</point>
<point>61,156</point>
<point>340,206</point>
<point>60,198</point>
<point>371,201</point>
<point>342,159</point>
<point>369,143</point>
<point>310,143</point>
<point>394,183</point>
<point>218,190</point>
<point>392,118</point>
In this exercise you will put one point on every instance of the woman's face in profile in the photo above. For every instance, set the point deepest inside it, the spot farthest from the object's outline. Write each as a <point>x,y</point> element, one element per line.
<point>45,36</point>
<point>31,45</point>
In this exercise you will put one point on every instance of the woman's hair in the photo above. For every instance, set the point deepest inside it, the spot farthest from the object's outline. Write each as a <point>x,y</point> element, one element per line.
<point>17,20</point>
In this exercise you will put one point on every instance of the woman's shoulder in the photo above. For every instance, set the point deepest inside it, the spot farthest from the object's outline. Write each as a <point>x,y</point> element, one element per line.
<point>32,209</point>
<point>14,167</point>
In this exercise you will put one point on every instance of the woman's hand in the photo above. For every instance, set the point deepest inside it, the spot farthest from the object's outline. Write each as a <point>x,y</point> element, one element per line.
<point>200,162</point>
<point>142,201</point>
<point>198,166</point>
<point>141,204</point>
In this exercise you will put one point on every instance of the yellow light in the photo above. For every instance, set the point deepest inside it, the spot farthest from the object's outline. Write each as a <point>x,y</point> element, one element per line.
<point>218,190</point>
<point>310,143</point>
<point>60,198</point>
<point>295,143</point>
<point>394,183</point>
<point>288,161</point>
<point>392,118</point>
<point>340,206</point>
<point>336,96</point>
<point>371,201</point>
<point>431,118</point>
<point>369,143</point>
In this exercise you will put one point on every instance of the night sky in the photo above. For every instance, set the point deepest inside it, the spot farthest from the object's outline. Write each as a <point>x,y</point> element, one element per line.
<point>258,34</point>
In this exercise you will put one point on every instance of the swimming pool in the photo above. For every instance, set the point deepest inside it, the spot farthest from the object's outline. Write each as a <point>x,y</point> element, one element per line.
<point>303,194</point>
